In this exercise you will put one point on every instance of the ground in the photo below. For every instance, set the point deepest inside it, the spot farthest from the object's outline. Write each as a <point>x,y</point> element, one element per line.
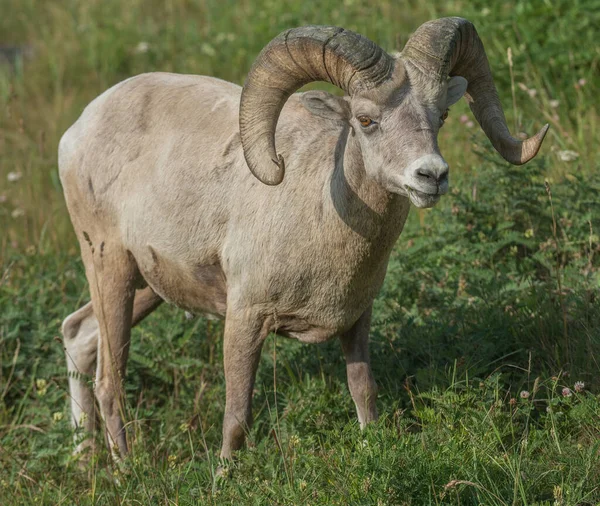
<point>486,335</point>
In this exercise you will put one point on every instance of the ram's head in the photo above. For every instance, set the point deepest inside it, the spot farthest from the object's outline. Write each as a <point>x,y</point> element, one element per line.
<point>394,104</point>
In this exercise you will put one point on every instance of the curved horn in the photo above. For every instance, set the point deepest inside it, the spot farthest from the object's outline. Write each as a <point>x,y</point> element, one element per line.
<point>292,59</point>
<point>451,47</point>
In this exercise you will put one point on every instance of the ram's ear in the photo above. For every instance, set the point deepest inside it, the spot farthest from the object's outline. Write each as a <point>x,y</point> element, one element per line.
<point>326,105</point>
<point>456,89</point>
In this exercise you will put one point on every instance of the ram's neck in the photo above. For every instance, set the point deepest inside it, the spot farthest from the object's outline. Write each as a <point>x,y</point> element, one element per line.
<point>363,205</point>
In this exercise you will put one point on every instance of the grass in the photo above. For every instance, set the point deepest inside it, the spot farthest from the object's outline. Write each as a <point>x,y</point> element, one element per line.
<point>489,311</point>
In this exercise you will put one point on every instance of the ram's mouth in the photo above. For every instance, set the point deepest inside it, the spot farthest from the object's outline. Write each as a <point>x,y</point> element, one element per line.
<point>422,200</point>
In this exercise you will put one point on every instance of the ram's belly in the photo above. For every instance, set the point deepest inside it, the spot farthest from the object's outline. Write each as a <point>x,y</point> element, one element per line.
<point>198,289</point>
<point>303,330</point>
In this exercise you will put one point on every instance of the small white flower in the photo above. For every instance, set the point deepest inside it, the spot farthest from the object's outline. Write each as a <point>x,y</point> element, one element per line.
<point>554,103</point>
<point>142,47</point>
<point>524,394</point>
<point>582,82</point>
<point>14,176</point>
<point>566,392</point>
<point>579,386</point>
<point>41,386</point>
<point>532,92</point>
<point>469,124</point>
<point>568,155</point>
<point>17,213</point>
<point>222,37</point>
<point>208,50</point>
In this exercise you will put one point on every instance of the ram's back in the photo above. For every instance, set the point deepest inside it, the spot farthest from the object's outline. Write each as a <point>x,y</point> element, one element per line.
<point>144,127</point>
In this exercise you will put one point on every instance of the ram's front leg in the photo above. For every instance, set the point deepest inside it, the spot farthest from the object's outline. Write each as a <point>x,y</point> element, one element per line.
<point>363,388</point>
<point>243,340</point>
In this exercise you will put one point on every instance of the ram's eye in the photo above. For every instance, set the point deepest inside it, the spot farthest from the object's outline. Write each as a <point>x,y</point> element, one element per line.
<point>365,121</point>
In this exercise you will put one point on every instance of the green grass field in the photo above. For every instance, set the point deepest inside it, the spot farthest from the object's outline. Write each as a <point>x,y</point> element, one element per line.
<point>486,335</point>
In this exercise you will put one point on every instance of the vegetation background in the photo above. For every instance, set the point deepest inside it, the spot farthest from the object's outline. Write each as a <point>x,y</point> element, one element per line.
<point>489,316</point>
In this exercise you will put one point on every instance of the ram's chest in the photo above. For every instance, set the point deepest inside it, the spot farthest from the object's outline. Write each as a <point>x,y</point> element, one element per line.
<point>331,307</point>
<point>321,289</point>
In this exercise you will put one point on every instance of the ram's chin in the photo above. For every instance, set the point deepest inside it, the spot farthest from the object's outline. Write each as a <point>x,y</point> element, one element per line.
<point>422,200</point>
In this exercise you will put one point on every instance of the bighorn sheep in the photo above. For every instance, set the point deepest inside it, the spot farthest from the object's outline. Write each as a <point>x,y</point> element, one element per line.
<point>155,175</point>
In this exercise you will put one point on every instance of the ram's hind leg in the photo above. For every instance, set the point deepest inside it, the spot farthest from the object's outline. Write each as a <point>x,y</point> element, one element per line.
<point>80,331</point>
<point>112,277</point>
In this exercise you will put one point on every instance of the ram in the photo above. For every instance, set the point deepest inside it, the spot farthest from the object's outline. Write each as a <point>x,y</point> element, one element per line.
<point>155,175</point>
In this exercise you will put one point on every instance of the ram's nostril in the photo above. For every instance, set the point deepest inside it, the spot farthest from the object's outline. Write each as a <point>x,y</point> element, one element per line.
<point>431,175</point>
<point>425,173</point>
